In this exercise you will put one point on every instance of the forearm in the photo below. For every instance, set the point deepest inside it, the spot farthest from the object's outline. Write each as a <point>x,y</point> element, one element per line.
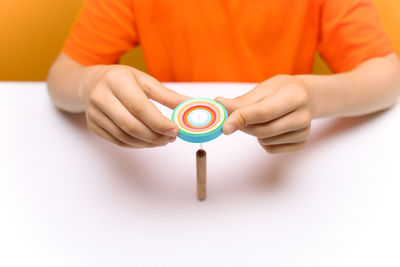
<point>65,82</point>
<point>372,86</point>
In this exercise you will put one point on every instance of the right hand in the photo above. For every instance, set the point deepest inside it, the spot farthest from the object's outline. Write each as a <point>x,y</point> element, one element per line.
<point>118,108</point>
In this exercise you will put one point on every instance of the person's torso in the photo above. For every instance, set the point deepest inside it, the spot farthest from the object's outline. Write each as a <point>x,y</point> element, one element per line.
<point>227,40</point>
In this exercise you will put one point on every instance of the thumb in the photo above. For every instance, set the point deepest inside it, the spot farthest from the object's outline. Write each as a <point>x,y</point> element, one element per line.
<point>238,119</point>
<point>231,105</point>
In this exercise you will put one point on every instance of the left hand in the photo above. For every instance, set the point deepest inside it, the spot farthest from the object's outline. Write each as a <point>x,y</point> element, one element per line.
<point>278,112</point>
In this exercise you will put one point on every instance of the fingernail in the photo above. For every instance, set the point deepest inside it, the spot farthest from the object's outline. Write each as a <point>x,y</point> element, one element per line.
<point>230,128</point>
<point>220,98</point>
<point>172,132</point>
<point>171,140</point>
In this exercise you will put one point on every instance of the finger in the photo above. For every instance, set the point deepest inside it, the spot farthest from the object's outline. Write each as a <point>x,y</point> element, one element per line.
<point>160,93</point>
<point>294,121</point>
<point>101,120</point>
<point>105,135</point>
<point>286,138</point>
<point>118,113</point>
<point>255,95</point>
<point>277,149</point>
<point>128,92</point>
<point>232,104</point>
<point>282,102</point>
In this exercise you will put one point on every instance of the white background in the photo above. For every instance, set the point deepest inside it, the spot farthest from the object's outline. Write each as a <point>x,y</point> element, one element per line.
<point>68,198</point>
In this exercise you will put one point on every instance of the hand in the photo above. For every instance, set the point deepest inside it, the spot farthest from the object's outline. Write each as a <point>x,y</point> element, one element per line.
<point>118,108</point>
<point>277,112</point>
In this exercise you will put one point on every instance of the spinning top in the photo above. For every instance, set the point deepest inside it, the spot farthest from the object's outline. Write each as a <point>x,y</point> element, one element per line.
<point>199,119</point>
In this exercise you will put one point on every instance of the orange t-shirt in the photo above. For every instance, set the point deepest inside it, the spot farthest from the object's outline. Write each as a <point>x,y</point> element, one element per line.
<point>228,40</point>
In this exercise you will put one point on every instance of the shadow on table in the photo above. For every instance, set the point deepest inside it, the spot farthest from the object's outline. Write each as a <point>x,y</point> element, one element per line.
<point>76,120</point>
<point>129,170</point>
<point>342,125</point>
<point>266,174</point>
<point>269,174</point>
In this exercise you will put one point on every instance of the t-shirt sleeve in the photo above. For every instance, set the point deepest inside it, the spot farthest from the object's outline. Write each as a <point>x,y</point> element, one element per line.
<point>351,33</point>
<point>103,32</point>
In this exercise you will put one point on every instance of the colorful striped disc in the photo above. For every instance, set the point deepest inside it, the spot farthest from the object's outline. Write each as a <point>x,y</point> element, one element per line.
<point>199,119</point>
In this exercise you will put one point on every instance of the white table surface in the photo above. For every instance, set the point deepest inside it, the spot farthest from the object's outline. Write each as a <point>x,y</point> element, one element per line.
<point>68,198</point>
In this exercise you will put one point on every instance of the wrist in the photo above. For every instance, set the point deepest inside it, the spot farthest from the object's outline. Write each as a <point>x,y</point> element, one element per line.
<point>312,96</point>
<point>88,79</point>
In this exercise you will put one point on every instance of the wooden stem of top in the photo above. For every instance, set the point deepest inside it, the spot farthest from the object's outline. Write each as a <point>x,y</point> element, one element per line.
<point>201,159</point>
